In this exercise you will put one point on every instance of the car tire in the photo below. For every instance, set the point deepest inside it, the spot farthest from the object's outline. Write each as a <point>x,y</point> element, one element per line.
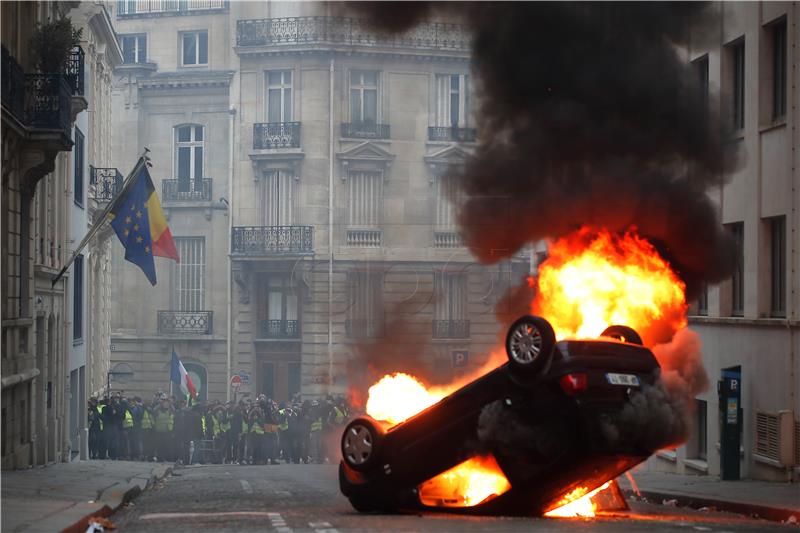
<point>529,344</point>
<point>360,443</point>
<point>624,334</point>
<point>363,504</point>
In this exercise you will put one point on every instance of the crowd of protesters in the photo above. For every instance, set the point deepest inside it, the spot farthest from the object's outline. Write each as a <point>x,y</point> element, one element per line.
<point>244,432</point>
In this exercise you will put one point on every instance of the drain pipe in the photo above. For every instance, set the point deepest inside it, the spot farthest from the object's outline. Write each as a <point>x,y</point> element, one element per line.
<point>330,229</point>
<point>793,219</point>
<point>231,122</point>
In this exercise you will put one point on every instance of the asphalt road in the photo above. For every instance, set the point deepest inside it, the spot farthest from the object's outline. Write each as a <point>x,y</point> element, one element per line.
<point>306,498</point>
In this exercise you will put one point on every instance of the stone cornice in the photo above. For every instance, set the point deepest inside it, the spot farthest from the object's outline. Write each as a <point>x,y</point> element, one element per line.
<point>180,80</point>
<point>327,50</point>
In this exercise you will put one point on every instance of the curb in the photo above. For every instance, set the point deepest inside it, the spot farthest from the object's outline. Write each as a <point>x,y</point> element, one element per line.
<point>775,514</point>
<point>114,497</point>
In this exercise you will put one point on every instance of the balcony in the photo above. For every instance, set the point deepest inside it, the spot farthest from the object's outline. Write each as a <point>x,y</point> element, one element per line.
<point>271,135</point>
<point>13,86</point>
<point>269,240</point>
<point>347,31</point>
<point>370,238</point>
<point>450,329</point>
<point>452,134</point>
<point>364,328</point>
<point>176,190</point>
<point>49,102</point>
<point>365,130</point>
<point>447,239</point>
<point>185,322</point>
<point>73,72</point>
<point>280,329</point>
<point>162,8</point>
<point>104,183</point>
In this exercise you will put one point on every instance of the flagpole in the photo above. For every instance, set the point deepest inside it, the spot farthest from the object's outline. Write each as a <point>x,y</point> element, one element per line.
<point>143,160</point>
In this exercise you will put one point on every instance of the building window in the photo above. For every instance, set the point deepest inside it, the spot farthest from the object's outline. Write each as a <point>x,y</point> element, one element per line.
<point>365,309</point>
<point>195,48</point>
<point>278,198</point>
<point>366,199</point>
<point>701,429</point>
<point>294,379</point>
<point>778,34</point>
<point>452,100</point>
<point>702,301</point>
<point>737,280</point>
<point>167,7</point>
<point>279,310</point>
<point>189,157</point>
<point>279,96</point>
<point>736,53</point>
<point>78,158</point>
<point>446,201</point>
<point>134,48</point>
<point>364,97</point>
<point>77,298</point>
<point>450,310</point>
<point>189,275</point>
<point>701,70</point>
<point>777,227</point>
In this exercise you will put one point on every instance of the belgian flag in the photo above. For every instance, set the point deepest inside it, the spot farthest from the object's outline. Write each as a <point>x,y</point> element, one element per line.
<point>139,222</point>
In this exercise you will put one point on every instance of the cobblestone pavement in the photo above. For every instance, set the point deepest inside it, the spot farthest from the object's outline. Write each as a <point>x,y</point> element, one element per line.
<point>306,498</point>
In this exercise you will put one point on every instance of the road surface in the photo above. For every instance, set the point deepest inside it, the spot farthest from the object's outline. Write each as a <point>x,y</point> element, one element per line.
<point>306,498</point>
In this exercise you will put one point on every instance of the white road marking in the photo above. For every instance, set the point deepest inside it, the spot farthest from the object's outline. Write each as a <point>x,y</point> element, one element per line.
<point>323,527</point>
<point>279,523</point>
<point>246,486</point>
<point>164,516</point>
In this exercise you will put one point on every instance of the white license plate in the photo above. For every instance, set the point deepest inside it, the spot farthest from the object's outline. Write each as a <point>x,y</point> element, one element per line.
<point>628,380</point>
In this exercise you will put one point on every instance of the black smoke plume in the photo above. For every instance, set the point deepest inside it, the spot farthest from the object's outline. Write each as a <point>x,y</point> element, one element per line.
<point>590,114</point>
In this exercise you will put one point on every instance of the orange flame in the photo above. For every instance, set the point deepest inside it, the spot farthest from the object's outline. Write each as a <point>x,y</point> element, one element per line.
<point>576,503</point>
<point>465,485</point>
<point>593,279</point>
<point>397,397</point>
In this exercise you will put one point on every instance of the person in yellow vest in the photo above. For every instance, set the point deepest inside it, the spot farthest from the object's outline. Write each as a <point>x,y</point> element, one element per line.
<point>146,436</point>
<point>257,438</point>
<point>95,428</point>
<point>163,424</point>
<point>126,444</point>
<point>315,437</point>
<point>225,433</point>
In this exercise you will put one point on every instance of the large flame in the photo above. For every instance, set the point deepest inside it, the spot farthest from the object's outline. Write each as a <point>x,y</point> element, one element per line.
<point>397,397</point>
<point>465,485</point>
<point>577,503</point>
<point>593,279</point>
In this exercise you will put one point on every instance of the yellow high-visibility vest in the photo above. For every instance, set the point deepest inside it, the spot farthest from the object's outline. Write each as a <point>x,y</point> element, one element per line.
<point>128,422</point>
<point>316,425</point>
<point>147,420</point>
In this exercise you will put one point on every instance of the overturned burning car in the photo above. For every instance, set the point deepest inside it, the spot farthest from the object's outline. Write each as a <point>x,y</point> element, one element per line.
<point>517,440</point>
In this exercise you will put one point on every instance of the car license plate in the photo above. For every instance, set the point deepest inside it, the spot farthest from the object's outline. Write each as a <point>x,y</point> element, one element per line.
<point>629,380</point>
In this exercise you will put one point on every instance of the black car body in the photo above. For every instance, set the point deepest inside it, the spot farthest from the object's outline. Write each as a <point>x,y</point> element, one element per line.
<point>544,416</point>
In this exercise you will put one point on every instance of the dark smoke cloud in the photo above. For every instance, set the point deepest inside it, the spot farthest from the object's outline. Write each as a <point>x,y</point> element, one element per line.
<point>589,115</point>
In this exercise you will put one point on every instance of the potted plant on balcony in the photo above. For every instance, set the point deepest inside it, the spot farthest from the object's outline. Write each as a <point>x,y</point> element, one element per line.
<point>52,43</point>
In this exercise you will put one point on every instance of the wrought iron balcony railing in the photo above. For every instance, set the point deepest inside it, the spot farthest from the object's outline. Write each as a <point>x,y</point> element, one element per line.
<point>364,237</point>
<point>156,8</point>
<point>104,183</point>
<point>280,329</point>
<point>271,135</point>
<point>177,190</point>
<point>74,70</point>
<point>365,130</point>
<point>13,84</point>
<point>48,101</point>
<point>348,31</point>
<point>447,239</point>
<point>364,328</point>
<point>267,240</point>
<point>185,322</point>
<point>452,134</point>
<point>450,329</point>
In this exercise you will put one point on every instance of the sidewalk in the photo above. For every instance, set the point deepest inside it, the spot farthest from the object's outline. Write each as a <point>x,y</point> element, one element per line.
<point>63,495</point>
<point>766,499</point>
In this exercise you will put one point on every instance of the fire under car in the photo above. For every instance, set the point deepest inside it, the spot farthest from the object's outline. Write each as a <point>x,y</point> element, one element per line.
<point>538,423</point>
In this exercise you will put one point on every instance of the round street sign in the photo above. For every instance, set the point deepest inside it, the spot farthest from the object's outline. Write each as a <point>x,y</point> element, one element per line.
<point>236,382</point>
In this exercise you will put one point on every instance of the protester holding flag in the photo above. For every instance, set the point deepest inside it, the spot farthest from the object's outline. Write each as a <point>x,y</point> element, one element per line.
<point>180,377</point>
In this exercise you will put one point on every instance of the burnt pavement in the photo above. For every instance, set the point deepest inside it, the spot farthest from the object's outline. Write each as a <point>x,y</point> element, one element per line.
<point>289,498</point>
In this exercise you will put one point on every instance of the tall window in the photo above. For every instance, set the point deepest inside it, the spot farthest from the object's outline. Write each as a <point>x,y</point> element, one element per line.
<point>451,296</point>
<point>279,96</point>
<point>365,200</point>
<point>702,301</point>
<point>778,31</point>
<point>280,310</point>
<point>78,158</point>
<point>77,298</point>
<point>701,428</point>
<point>452,99</point>
<point>195,48</point>
<point>778,266</point>
<point>737,280</point>
<point>134,48</point>
<point>189,275</point>
<point>364,96</point>
<point>446,201</point>
<point>278,198</point>
<point>365,312</point>
<point>189,157</point>
<point>736,51</point>
<point>701,70</point>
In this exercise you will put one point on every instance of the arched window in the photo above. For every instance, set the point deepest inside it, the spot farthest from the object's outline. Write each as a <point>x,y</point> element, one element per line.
<point>189,140</point>
<point>200,379</point>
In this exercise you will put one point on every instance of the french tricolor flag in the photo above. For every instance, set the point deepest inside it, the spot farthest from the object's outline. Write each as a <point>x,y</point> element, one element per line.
<point>179,376</point>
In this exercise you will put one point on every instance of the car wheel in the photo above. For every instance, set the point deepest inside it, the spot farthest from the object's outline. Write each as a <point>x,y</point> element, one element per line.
<point>529,344</point>
<point>624,334</point>
<point>360,442</point>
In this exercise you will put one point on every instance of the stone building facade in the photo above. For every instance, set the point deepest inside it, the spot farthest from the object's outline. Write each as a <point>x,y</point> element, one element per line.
<point>750,324</point>
<point>336,234</point>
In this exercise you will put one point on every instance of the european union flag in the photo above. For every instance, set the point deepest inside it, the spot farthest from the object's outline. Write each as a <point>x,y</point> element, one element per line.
<point>139,222</point>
